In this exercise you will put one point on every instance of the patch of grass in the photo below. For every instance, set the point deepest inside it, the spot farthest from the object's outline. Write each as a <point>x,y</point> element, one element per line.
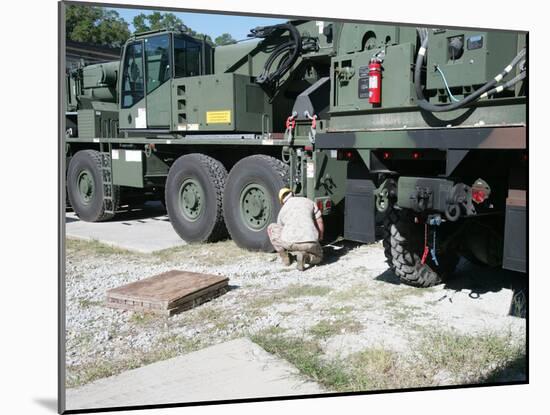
<point>466,359</point>
<point>328,328</point>
<point>306,355</point>
<point>297,290</point>
<point>380,369</point>
<point>341,311</point>
<point>472,359</point>
<point>367,370</point>
<point>166,348</point>
<point>211,315</point>
<point>82,340</point>
<point>143,319</point>
<point>93,247</point>
<point>272,331</point>
<point>291,292</point>
<point>87,303</point>
<point>262,302</point>
<point>356,291</point>
<point>218,253</point>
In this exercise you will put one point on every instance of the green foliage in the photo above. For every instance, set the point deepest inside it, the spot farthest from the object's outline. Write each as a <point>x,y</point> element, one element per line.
<point>157,20</point>
<point>102,26</point>
<point>225,39</point>
<point>328,328</point>
<point>306,355</point>
<point>95,25</point>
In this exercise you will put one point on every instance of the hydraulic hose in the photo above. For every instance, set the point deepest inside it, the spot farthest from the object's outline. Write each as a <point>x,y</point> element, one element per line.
<point>292,49</point>
<point>424,104</point>
<point>506,85</point>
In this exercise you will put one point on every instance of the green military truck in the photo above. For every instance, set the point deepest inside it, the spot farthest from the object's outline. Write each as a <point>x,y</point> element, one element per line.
<point>420,133</point>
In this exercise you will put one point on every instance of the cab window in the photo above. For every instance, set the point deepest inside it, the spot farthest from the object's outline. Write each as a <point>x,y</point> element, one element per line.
<point>187,57</point>
<point>157,58</point>
<point>132,77</point>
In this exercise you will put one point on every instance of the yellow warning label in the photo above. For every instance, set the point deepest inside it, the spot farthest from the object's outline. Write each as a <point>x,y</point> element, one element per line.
<point>218,117</point>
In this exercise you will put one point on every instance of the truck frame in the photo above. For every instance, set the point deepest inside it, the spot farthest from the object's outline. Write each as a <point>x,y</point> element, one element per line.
<point>413,135</point>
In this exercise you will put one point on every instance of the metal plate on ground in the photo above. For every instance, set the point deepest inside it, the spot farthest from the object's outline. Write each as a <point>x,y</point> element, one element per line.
<point>168,293</point>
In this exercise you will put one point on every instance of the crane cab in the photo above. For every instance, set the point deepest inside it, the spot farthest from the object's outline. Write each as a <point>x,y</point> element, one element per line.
<point>149,64</point>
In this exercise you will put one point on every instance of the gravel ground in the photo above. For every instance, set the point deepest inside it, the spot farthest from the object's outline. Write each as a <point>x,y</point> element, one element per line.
<point>350,305</point>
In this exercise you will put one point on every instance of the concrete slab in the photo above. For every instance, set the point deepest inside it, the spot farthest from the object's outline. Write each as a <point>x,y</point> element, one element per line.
<point>143,230</point>
<point>237,369</point>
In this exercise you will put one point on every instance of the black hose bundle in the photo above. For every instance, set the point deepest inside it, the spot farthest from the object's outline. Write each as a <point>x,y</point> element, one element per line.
<point>268,79</point>
<point>487,89</point>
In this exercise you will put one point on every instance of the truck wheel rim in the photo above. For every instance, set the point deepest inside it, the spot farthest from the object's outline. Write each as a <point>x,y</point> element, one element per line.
<point>86,186</point>
<point>191,199</point>
<point>255,206</point>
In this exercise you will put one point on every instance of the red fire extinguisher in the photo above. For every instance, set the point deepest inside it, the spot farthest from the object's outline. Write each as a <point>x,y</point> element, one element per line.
<point>375,80</point>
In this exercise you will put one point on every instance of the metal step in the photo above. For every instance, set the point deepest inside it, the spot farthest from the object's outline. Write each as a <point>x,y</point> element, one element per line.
<point>107,176</point>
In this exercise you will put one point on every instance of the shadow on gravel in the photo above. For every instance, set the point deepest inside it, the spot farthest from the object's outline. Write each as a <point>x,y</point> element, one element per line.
<point>231,287</point>
<point>333,251</point>
<point>149,210</point>
<point>481,280</point>
<point>389,277</point>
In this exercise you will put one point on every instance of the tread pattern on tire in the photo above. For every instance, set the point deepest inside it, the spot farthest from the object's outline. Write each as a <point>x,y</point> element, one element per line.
<point>390,217</point>
<point>102,215</point>
<point>280,168</point>
<point>402,247</point>
<point>218,174</point>
<point>277,165</point>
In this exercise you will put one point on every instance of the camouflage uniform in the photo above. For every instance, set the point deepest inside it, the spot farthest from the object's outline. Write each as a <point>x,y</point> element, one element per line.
<point>295,229</point>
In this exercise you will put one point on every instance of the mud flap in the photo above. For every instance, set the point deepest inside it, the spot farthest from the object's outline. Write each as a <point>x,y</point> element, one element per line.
<point>359,221</point>
<point>515,233</point>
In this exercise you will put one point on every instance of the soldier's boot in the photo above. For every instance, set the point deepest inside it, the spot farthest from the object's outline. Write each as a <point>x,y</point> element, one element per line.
<point>314,259</point>
<point>285,257</point>
<point>301,260</point>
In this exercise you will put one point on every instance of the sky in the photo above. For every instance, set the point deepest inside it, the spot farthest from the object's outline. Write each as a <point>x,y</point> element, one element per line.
<point>210,24</point>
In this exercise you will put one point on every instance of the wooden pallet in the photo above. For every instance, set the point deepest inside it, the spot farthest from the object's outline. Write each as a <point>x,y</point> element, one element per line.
<point>167,293</point>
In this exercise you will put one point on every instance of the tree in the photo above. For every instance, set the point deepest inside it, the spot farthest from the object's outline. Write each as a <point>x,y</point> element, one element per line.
<point>225,39</point>
<point>95,25</point>
<point>157,20</point>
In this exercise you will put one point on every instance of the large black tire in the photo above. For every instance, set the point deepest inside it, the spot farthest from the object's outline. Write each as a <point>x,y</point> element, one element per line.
<point>403,246</point>
<point>196,173</point>
<point>253,172</point>
<point>85,165</point>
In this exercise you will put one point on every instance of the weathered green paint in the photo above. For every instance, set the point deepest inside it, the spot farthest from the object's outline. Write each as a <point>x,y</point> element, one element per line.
<point>127,167</point>
<point>218,108</point>
<point>255,206</point>
<point>159,107</point>
<point>86,186</point>
<point>330,176</point>
<point>230,102</point>
<point>447,138</point>
<point>191,199</point>
<point>476,66</point>
<point>202,111</point>
<point>507,112</point>
<point>101,121</point>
